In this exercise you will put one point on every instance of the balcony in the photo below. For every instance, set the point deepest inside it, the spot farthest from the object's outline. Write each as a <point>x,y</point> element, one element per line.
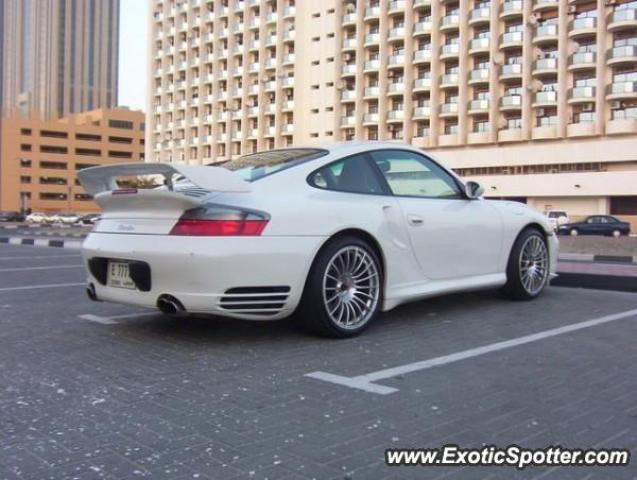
<point>478,106</point>
<point>348,69</point>
<point>449,80</point>
<point>621,126</point>
<point>289,35</point>
<point>372,38</point>
<point>270,63</point>
<point>349,44</point>
<point>270,40</point>
<point>511,40</point>
<point>448,110</point>
<point>581,95</point>
<point>271,17</point>
<point>421,84</point>
<point>270,131</point>
<point>621,90</point>
<point>371,13</point>
<point>511,103</point>
<point>582,26</point>
<point>510,70</point>
<point>581,129</point>
<point>396,88</point>
<point>422,3</point>
<point>511,8</point>
<point>542,5</point>
<point>371,65</point>
<point>545,99</point>
<point>253,89</point>
<point>625,54</point>
<point>545,66</point>
<point>289,12</point>
<point>348,95</point>
<point>254,45</point>
<point>287,106</point>
<point>582,61</point>
<point>422,28</point>
<point>372,118</point>
<point>253,67</point>
<point>422,111</point>
<point>287,129</point>
<point>371,92</point>
<point>395,115</point>
<point>288,59</point>
<point>252,111</point>
<point>478,45</point>
<point>449,22</point>
<point>450,51</point>
<point>349,19</point>
<point>270,86</point>
<point>479,75</point>
<point>396,60</point>
<point>348,121</point>
<point>479,15</point>
<point>254,23</point>
<point>422,56</point>
<point>396,6</point>
<point>287,82</point>
<point>545,33</point>
<point>622,19</point>
<point>397,33</point>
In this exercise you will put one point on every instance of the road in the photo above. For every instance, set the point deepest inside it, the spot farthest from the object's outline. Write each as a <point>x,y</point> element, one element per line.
<point>94,390</point>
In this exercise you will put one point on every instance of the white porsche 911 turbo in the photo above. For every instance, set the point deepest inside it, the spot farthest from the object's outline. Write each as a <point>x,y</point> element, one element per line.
<point>336,234</point>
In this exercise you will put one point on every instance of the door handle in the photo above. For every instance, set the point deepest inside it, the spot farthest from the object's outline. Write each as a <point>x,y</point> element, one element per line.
<point>415,220</point>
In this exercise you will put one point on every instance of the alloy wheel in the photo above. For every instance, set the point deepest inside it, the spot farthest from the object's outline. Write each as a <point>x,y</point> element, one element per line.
<point>351,287</point>
<point>534,259</point>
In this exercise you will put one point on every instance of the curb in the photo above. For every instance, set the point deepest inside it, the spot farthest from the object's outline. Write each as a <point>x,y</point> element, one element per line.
<point>42,242</point>
<point>583,257</point>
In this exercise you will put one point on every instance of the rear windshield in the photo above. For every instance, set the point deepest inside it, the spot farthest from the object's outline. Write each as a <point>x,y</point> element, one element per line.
<point>557,214</point>
<point>258,165</point>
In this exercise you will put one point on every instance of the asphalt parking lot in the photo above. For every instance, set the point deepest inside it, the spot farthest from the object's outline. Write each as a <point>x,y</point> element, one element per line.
<point>92,390</point>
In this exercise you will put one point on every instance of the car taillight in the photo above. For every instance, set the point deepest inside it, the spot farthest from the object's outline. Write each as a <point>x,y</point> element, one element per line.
<point>220,221</point>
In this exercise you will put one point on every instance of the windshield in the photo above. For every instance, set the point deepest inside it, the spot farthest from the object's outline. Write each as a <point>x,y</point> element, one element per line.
<point>258,165</point>
<point>557,214</point>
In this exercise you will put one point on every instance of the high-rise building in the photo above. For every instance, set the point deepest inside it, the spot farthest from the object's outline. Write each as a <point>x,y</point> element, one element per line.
<point>41,158</point>
<point>536,99</point>
<point>59,56</point>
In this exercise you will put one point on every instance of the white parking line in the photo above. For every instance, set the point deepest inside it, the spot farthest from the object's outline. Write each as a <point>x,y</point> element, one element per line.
<point>33,257</point>
<point>35,287</point>
<point>49,267</point>
<point>112,320</point>
<point>365,382</point>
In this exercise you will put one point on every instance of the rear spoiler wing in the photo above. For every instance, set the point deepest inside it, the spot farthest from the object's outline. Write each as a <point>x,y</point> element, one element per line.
<point>96,180</point>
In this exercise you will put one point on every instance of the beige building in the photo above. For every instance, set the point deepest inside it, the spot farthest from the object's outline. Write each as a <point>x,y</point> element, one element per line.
<point>39,159</point>
<point>58,56</point>
<point>536,99</point>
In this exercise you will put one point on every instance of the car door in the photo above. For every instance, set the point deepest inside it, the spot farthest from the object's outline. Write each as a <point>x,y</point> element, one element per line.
<point>452,236</point>
<point>593,226</point>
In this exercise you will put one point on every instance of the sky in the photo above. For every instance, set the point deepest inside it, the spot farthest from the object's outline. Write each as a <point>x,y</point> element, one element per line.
<point>132,53</point>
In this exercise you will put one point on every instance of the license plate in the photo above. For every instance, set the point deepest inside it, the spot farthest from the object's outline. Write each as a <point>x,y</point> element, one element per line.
<point>119,275</point>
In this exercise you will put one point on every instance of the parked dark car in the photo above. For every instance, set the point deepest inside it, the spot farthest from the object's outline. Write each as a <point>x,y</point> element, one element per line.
<point>11,217</point>
<point>90,219</point>
<point>596,225</point>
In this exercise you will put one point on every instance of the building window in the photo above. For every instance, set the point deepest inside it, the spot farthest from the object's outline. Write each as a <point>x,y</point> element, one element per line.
<point>53,134</point>
<point>120,124</point>
<point>120,140</point>
<point>25,147</point>
<point>25,131</point>
<point>80,166</point>
<point>25,163</point>
<point>82,197</point>
<point>88,137</point>
<point>52,149</point>
<point>119,154</point>
<point>53,165</point>
<point>52,196</point>
<point>88,151</point>
<point>25,179</point>
<point>52,181</point>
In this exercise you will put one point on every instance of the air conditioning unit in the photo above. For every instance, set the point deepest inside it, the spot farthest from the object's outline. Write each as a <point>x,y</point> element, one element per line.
<point>347,57</point>
<point>391,127</point>
<point>572,10</point>
<point>390,74</point>
<point>540,112</point>
<point>588,107</point>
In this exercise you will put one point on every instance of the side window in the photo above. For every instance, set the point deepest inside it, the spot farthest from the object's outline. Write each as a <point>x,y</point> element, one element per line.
<point>352,174</point>
<point>593,220</point>
<point>413,175</point>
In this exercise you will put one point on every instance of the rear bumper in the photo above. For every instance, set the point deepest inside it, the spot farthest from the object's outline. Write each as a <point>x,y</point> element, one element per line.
<point>198,271</point>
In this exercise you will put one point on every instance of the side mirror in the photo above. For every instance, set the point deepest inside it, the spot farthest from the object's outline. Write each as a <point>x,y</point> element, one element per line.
<point>473,190</point>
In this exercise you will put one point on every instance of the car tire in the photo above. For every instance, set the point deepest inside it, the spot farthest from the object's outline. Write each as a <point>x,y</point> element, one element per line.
<point>574,232</point>
<point>617,233</point>
<point>343,290</point>
<point>528,266</point>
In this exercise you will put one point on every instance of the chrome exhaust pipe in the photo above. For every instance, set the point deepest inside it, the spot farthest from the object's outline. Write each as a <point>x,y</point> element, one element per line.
<point>169,305</point>
<point>90,292</point>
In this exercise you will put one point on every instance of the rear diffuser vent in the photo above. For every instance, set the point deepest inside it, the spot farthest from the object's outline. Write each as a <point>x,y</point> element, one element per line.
<point>267,300</point>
